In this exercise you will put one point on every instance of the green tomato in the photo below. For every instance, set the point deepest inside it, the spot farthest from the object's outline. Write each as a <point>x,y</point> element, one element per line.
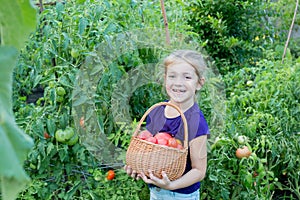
<point>74,53</point>
<point>52,84</point>
<point>60,91</point>
<point>249,83</point>
<point>97,178</point>
<point>64,135</point>
<point>73,140</point>
<point>60,99</point>
<point>60,135</point>
<point>217,142</point>
<point>32,166</point>
<point>69,132</point>
<point>242,139</point>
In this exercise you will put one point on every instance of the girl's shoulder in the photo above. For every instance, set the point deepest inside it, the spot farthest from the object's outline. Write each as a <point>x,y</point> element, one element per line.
<point>197,123</point>
<point>159,110</point>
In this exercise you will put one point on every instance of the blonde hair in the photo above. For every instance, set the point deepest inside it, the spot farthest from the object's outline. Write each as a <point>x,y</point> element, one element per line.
<point>194,58</point>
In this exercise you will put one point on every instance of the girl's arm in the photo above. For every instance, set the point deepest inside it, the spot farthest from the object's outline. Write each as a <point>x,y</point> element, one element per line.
<point>198,153</point>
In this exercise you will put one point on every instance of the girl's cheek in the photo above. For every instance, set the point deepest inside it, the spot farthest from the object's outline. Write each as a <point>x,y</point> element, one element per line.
<point>170,81</point>
<point>168,87</point>
<point>167,83</point>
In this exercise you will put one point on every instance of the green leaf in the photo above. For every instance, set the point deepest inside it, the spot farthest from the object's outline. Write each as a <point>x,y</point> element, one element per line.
<point>17,21</point>
<point>82,25</point>
<point>8,58</point>
<point>14,143</point>
<point>72,191</point>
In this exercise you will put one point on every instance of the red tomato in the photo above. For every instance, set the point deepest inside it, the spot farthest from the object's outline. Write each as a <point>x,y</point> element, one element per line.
<point>144,134</point>
<point>46,135</point>
<point>179,146</point>
<point>255,174</point>
<point>152,139</point>
<point>243,152</point>
<point>172,143</point>
<point>81,122</point>
<point>163,135</point>
<point>162,141</point>
<point>110,175</point>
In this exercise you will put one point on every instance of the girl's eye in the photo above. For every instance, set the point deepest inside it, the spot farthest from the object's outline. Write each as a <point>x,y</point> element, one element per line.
<point>171,76</point>
<point>188,77</point>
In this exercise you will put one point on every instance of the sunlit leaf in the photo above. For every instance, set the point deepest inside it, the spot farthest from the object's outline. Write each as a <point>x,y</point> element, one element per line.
<point>14,143</point>
<point>17,21</point>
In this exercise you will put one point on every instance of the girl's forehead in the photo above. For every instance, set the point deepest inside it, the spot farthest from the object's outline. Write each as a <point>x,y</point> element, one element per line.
<point>180,67</point>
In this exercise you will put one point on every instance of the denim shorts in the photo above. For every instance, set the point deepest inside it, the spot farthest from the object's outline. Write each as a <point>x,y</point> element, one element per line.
<point>162,194</point>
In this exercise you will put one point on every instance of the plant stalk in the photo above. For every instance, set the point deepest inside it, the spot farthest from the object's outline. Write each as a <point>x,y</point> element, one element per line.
<point>290,32</point>
<point>163,10</point>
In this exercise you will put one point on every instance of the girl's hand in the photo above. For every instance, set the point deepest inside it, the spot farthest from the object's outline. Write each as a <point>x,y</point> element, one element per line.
<point>131,172</point>
<point>164,182</point>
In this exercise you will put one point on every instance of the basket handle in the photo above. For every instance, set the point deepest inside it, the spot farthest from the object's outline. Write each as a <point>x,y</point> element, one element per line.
<point>185,126</point>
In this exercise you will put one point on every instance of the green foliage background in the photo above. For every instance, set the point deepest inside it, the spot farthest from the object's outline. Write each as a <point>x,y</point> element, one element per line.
<point>244,43</point>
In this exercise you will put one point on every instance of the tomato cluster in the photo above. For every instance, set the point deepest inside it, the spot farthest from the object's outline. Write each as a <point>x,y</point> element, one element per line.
<point>60,91</point>
<point>66,136</point>
<point>161,138</point>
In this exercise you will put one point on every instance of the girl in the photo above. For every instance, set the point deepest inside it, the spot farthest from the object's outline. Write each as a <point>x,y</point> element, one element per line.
<point>184,76</point>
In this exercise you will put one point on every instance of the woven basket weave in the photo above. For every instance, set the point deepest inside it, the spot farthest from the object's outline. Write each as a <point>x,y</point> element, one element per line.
<point>143,156</point>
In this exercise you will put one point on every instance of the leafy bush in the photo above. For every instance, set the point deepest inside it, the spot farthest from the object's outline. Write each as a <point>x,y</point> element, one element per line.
<point>263,105</point>
<point>237,32</point>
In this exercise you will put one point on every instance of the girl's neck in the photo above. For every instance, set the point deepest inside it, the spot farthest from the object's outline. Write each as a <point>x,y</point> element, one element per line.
<point>171,112</point>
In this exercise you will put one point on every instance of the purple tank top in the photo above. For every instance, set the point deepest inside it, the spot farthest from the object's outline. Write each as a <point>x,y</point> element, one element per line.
<point>197,126</point>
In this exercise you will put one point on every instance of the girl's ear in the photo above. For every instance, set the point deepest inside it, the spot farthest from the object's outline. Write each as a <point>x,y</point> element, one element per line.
<point>200,83</point>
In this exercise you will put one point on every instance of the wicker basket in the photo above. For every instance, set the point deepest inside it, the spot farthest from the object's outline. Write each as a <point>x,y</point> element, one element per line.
<point>143,156</point>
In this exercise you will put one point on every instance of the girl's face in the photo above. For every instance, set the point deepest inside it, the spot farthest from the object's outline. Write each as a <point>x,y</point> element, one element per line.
<point>181,83</point>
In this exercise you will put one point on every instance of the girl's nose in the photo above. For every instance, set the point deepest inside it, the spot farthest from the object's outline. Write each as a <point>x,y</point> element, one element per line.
<point>178,81</point>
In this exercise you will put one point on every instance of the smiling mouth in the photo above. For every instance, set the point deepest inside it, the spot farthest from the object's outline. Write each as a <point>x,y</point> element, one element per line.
<point>178,91</point>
